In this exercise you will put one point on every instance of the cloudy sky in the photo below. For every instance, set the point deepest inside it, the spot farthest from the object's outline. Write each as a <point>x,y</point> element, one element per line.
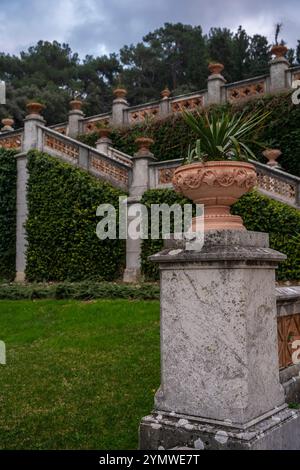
<point>103,26</point>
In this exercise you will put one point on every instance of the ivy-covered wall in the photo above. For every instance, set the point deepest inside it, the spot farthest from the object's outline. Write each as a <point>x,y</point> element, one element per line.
<point>259,214</point>
<point>8,183</point>
<point>61,226</point>
<point>173,137</point>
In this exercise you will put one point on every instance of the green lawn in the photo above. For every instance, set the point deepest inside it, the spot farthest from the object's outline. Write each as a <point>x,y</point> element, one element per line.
<point>79,375</point>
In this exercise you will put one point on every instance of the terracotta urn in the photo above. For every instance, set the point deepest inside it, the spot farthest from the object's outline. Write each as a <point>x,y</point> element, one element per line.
<point>104,132</point>
<point>35,108</point>
<point>144,144</point>
<point>279,50</point>
<point>120,93</point>
<point>7,123</point>
<point>76,105</point>
<point>215,68</point>
<point>166,93</point>
<point>272,155</point>
<point>217,185</point>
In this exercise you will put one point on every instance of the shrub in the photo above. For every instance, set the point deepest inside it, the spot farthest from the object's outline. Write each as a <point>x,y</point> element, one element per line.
<point>8,183</point>
<point>172,135</point>
<point>259,214</point>
<point>61,225</point>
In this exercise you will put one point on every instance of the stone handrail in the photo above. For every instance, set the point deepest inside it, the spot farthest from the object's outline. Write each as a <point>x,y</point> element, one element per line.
<point>111,168</point>
<point>274,183</point>
<point>12,139</point>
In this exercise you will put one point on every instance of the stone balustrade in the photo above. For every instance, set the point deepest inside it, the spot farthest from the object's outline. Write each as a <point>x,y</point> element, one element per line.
<point>273,183</point>
<point>114,167</point>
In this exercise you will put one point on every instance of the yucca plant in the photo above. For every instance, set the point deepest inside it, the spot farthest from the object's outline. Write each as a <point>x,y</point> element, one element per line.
<point>223,137</point>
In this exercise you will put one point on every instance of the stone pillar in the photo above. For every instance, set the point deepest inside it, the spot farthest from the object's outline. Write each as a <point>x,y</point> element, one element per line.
<point>7,125</point>
<point>139,184</point>
<point>104,142</point>
<point>278,68</point>
<point>164,105</point>
<point>30,141</point>
<point>75,117</point>
<point>220,385</point>
<point>120,105</point>
<point>215,82</point>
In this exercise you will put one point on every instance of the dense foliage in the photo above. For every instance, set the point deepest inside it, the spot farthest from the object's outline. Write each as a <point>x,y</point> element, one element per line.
<point>8,181</point>
<point>85,291</point>
<point>61,226</point>
<point>173,136</point>
<point>259,214</point>
<point>175,55</point>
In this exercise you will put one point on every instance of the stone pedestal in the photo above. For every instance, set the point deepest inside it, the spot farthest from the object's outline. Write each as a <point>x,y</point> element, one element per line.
<point>32,139</point>
<point>215,84</point>
<point>139,184</point>
<point>75,119</point>
<point>278,68</point>
<point>220,383</point>
<point>103,145</point>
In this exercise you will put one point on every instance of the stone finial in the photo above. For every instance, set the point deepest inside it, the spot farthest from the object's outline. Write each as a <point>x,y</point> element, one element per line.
<point>104,132</point>
<point>166,93</point>
<point>215,68</point>
<point>279,50</point>
<point>272,155</point>
<point>76,105</point>
<point>144,144</point>
<point>120,93</point>
<point>35,108</point>
<point>8,124</point>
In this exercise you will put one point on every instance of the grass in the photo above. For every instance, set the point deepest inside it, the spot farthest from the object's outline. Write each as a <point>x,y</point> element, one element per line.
<point>79,375</point>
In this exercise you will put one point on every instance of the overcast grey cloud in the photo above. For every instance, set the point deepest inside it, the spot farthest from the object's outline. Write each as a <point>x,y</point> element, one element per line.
<point>103,26</point>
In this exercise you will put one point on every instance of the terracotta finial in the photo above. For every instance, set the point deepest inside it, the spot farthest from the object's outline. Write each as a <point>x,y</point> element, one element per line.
<point>144,144</point>
<point>166,93</point>
<point>120,93</point>
<point>279,50</point>
<point>8,124</point>
<point>35,108</point>
<point>215,68</point>
<point>76,105</point>
<point>272,155</point>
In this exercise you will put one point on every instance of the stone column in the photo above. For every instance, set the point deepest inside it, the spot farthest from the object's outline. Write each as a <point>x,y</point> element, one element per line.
<point>139,184</point>
<point>120,105</point>
<point>215,82</point>
<point>104,142</point>
<point>30,141</point>
<point>7,125</point>
<point>278,68</point>
<point>220,385</point>
<point>164,105</point>
<point>75,117</point>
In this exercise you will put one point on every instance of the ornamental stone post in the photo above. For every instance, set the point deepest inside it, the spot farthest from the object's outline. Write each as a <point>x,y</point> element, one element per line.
<point>104,142</point>
<point>120,105</point>
<point>164,105</point>
<point>7,125</point>
<point>278,68</point>
<point>220,385</point>
<point>75,117</point>
<point>139,184</point>
<point>31,140</point>
<point>215,83</point>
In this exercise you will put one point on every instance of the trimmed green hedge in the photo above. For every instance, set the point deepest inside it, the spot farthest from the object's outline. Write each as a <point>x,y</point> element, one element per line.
<point>172,135</point>
<point>84,291</point>
<point>61,226</point>
<point>259,214</point>
<point>8,184</point>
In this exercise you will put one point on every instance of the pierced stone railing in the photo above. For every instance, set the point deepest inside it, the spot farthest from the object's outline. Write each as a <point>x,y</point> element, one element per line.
<point>245,89</point>
<point>276,184</point>
<point>91,124</point>
<point>12,140</point>
<point>114,167</point>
